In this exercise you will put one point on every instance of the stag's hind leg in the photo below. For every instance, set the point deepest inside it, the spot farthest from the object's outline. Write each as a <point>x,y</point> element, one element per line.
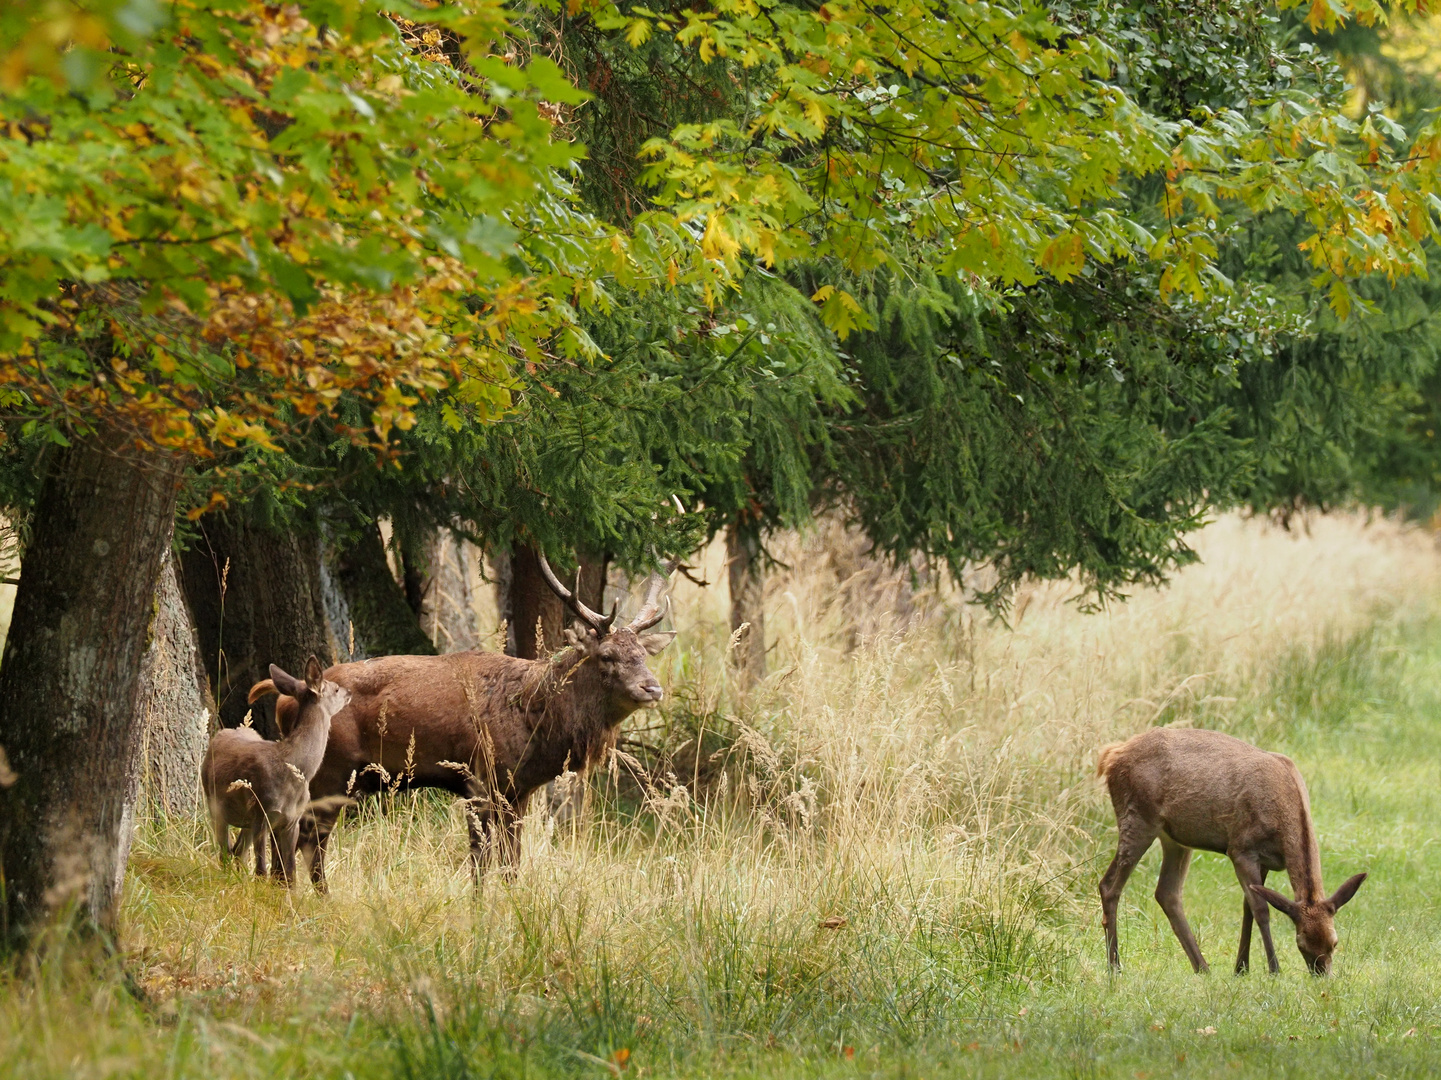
<point>1175,861</point>
<point>1136,837</point>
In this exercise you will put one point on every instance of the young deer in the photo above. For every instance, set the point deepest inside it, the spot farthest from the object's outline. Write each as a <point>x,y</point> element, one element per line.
<point>264,787</point>
<point>1202,789</point>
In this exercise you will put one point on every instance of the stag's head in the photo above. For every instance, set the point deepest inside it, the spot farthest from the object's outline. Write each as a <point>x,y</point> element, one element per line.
<point>619,655</point>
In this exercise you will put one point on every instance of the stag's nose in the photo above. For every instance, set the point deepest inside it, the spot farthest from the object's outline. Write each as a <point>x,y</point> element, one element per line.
<point>653,690</point>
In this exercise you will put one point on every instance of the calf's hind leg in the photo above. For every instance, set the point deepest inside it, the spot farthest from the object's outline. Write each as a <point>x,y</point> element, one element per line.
<point>1136,836</point>
<point>1175,861</point>
<point>221,829</point>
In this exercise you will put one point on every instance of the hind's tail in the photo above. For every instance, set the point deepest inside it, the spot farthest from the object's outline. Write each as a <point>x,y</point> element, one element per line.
<point>260,689</point>
<point>1107,757</point>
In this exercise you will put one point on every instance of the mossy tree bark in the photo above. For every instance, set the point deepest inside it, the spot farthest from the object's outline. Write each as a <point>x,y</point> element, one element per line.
<point>255,595</point>
<point>532,606</point>
<point>747,588</point>
<point>385,623</point>
<point>594,570</point>
<point>70,681</point>
<point>174,706</point>
<point>447,609</point>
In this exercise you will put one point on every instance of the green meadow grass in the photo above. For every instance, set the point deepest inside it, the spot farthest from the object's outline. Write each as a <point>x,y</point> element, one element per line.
<point>933,789</point>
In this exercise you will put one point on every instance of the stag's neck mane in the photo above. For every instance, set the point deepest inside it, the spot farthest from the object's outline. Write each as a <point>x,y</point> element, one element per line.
<point>547,681</point>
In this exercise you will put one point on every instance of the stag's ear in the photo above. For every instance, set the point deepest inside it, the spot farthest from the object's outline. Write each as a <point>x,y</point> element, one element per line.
<point>654,643</point>
<point>1276,900</point>
<point>1345,892</point>
<point>286,684</point>
<point>314,673</point>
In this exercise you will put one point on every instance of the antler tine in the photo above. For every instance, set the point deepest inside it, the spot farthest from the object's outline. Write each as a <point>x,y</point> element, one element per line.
<point>652,611</point>
<point>599,623</point>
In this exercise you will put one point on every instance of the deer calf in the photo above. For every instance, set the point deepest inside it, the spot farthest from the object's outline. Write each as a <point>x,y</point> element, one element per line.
<point>1202,789</point>
<point>264,787</point>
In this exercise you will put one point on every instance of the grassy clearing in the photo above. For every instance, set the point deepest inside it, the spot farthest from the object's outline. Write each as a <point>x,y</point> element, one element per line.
<point>929,783</point>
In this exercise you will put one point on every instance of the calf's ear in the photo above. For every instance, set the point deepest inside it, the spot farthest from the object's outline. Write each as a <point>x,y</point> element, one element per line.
<point>1282,904</point>
<point>1346,891</point>
<point>285,683</point>
<point>314,673</point>
<point>654,643</point>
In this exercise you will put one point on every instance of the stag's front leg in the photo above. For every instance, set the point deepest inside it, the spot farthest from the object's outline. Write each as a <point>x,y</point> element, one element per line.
<point>510,817</point>
<point>314,836</point>
<point>481,824</point>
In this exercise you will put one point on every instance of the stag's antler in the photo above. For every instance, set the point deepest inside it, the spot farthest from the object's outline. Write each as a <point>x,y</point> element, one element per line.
<point>601,624</point>
<point>652,610</point>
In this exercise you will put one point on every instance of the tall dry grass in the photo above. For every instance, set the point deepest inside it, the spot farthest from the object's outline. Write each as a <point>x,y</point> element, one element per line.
<point>901,823</point>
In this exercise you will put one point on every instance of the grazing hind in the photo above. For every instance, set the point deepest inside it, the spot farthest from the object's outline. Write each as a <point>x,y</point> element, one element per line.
<point>264,787</point>
<point>1202,789</point>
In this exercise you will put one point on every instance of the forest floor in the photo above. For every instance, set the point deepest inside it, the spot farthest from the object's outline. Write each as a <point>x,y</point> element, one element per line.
<point>881,863</point>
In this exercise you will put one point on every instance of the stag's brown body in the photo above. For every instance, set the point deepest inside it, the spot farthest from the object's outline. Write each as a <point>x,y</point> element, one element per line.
<point>490,728</point>
<point>1205,790</point>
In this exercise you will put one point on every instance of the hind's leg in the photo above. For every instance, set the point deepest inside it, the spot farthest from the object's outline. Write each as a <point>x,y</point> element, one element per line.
<point>1249,872</point>
<point>1175,861</point>
<point>1243,954</point>
<point>1136,836</point>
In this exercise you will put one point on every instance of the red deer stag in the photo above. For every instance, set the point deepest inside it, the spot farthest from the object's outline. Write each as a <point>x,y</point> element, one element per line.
<point>1202,789</point>
<point>261,786</point>
<point>490,728</point>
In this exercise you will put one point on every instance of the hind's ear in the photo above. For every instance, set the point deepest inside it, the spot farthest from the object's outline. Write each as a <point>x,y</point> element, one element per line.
<point>1345,892</point>
<point>1282,904</point>
<point>314,673</point>
<point>654,643</point>
<point>285,683</point>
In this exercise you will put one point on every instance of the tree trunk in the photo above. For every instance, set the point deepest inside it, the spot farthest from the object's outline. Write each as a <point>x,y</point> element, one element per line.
<point>173,705</point>
<point>594,570</point>
<point>256,598</point>
<point>532,604</point>
<point>416,549</point>
<point>384,623</point>
<point>447,609</point>
<point>747,585</point>
<point>70,682</point>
